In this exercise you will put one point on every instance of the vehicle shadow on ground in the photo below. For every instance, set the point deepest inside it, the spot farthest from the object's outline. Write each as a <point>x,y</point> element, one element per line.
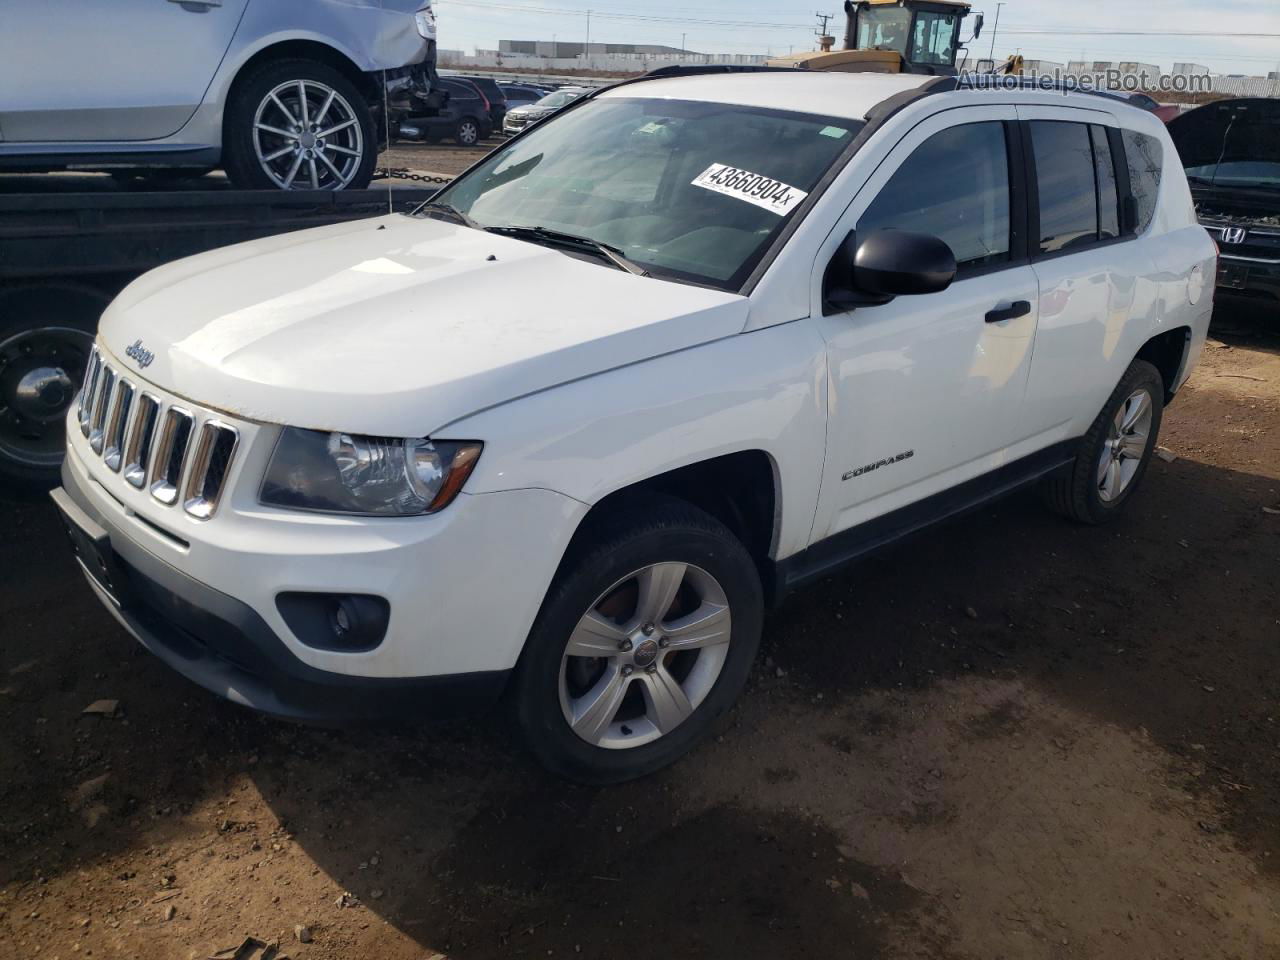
<point>1132,623</point>
<point>1163,622</point>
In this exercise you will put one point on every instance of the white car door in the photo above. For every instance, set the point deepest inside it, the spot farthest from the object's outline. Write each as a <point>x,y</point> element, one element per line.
<point>108,70</point>
<point>924,392</point>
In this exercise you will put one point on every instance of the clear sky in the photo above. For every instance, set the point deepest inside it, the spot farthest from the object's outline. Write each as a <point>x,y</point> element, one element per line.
<point>1041,29</point>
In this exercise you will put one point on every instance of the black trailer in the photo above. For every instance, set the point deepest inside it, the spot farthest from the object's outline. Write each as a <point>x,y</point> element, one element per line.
<point>68,246</point>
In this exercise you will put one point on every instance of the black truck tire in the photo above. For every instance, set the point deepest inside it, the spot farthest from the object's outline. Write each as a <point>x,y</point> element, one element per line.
<point>46,335</point>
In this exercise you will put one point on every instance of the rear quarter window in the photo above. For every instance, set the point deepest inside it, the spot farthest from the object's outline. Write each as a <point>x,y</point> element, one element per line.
<point>1144,156</point>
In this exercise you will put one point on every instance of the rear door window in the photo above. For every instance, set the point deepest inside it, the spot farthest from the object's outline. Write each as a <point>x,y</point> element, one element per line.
<point>1145,158</point>
<point>955,186</point>
<point>459,91</point>
<point>1066,185</point>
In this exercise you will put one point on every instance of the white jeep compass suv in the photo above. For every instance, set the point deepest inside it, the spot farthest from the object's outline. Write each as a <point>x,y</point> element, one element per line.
<point>734,329</point>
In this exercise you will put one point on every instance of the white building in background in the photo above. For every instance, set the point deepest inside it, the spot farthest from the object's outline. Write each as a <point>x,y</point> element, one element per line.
<point>1044,68</point>
<point>1189,70</point>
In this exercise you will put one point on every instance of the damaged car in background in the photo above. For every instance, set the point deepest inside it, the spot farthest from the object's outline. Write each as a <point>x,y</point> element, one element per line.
<point>1231,153</point>
<point>281,94</point>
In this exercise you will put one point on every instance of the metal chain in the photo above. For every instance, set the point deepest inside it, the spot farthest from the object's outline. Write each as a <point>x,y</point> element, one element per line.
<point>402,173</point>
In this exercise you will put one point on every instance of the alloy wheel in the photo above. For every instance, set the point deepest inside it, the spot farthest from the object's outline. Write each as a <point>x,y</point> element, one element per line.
<point>1125,446</point>
<point>307,136</point>
<point>468,132</point>
<point>644,655</point>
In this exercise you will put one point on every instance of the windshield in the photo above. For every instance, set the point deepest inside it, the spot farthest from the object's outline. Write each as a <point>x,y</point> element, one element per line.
<point>559,98</point>
<point>687,190</point>
<point>935,38</point>
<point>884,28</point>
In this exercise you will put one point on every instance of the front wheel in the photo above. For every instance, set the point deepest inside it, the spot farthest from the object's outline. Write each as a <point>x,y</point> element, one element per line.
<point>298,125</point>
<point>1115,453</point>
<point>644,640</point>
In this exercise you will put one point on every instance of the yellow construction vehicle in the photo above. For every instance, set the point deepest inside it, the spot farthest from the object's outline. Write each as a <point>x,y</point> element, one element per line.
<point>893,36</point>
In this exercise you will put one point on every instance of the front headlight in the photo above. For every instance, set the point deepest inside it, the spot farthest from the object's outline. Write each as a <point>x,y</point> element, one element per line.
<point>426,21</point>
<point>371,476</point>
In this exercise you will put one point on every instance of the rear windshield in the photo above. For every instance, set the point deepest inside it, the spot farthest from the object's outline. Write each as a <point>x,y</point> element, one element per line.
<point>688,190</point>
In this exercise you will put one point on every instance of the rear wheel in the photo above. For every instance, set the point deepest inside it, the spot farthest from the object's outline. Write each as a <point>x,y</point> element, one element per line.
<point>298,125</point>
<point>1115,453</point>
<point>644,640</point>
<point>467,133</point>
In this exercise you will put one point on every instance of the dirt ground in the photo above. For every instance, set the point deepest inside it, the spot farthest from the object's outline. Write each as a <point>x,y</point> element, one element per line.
<point>446,159</point>
<point>1009,737</point>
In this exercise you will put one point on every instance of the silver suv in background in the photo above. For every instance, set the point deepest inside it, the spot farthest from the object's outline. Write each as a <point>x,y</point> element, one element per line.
<point>280,93</point>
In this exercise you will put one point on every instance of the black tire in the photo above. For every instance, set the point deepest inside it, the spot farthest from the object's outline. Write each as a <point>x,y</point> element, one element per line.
<point>1076,491</point>
<point>239,157</point>
<point>653,530</point>
<point>32,317</point>
<point>467,132</point>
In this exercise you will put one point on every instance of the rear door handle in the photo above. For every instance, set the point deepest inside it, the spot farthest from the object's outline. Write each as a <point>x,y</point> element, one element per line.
<point>1019,308</point>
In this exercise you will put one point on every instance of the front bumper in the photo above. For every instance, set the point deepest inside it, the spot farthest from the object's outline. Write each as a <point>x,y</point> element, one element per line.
<point>1248,281</point>
<point>460,588</point>
<point>223,645</point>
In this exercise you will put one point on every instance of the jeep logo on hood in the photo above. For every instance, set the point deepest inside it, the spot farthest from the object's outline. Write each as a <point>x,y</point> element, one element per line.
<point>139,354</point>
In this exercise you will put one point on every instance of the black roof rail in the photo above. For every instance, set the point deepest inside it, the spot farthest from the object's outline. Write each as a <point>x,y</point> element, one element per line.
<point>996,81</point>
<point>693,70</point>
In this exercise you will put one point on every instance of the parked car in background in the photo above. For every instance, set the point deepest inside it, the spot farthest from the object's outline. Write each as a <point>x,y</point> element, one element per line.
<point>494,94</point>
<point>1165,111</point>
<point>562,436</point>
<point>522,94</point>
<point>522,117</point>
<point>1230,151</point>
<point>282,94</point>
<point>464,118</point>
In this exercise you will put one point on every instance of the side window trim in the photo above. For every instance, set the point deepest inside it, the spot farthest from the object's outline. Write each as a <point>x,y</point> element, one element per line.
<point>1016,151</point>
<point>1124,186</point>
<point>1020,207</point>
<point>1033,192</point>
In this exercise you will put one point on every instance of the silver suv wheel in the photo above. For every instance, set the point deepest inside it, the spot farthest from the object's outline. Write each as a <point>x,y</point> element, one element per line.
<point>307,136</point>
<point>1125,446</point>
<point>644,655</point>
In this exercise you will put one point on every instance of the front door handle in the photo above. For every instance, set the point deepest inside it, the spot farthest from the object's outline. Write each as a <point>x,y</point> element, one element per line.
<point>1019,308</point>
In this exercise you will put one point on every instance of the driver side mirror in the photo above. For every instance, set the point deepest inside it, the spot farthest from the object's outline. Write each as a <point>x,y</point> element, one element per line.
<point>884,265</point>
<point>977,27</point>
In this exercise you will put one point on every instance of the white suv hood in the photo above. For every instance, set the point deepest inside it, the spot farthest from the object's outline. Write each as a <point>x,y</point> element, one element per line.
<point>395,326</point>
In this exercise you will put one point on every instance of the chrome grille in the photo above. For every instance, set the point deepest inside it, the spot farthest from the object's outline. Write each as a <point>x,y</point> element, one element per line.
<point>98,421</point>
<point>84,409</point>
<point>116,421</point>
<point>171,450</point>
<point>162,447</point>
<point>209,468</point>
<point>137,451</point>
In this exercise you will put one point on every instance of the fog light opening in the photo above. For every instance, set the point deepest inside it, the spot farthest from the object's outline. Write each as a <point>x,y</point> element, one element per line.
<point>345,622</point>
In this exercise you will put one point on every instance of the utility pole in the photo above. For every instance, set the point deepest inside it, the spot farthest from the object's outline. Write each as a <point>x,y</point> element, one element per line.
<point>682,36</point>
<point>992,56</point>
<point>824,41</point>
<point>586,47</point>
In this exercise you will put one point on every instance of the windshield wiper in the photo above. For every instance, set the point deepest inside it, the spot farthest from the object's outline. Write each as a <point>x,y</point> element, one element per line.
<point>447,211</point>
<point>544,235</point>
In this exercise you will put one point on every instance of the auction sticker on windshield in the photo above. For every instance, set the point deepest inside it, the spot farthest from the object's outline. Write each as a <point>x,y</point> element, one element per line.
<point>754,188</point>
